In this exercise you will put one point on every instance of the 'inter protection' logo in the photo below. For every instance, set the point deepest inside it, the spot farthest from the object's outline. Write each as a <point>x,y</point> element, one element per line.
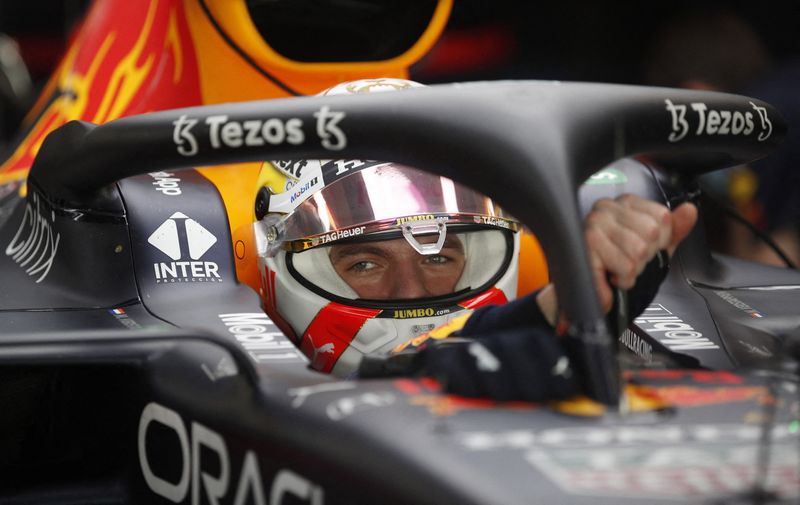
<point>179,237</point>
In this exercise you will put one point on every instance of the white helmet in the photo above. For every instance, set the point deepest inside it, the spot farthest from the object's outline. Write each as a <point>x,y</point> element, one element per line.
<point>359,256</point>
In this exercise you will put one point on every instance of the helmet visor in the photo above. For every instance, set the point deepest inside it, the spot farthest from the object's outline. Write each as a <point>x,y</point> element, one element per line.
<point>384,198</point>
<point>390,271</point>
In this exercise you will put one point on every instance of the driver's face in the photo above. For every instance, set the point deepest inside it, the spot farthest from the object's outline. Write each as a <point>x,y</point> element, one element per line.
<point>392,269</point>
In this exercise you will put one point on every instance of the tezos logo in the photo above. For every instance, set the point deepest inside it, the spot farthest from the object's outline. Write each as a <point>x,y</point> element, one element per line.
<point>178,237</point>
<point>183,137</point>
<point>224,132</point>
<point>716,121</point>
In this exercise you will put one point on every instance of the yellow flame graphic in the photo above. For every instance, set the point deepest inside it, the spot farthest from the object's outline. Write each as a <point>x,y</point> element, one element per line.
<point>174,41</point>
<point>70,103</point>
<point>73,87</point>
<point>127,76</point>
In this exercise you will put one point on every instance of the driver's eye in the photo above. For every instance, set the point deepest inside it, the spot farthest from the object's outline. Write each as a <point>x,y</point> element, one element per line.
<point>362,266</point>
<point>437,259</point>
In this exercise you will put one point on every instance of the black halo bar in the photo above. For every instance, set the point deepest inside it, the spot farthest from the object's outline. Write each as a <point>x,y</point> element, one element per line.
<point>526,144</point>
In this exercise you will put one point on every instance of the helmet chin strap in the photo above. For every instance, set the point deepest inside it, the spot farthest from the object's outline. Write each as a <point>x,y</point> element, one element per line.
<point>425,227</point>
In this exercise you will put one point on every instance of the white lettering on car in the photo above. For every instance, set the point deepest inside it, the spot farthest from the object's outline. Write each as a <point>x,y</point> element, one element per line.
<point>680,127</point>
<point>35,244</point>
<point>349,405</point>
<point>715,121</point>
<point>332,136</point>
<point>224,132</point>
<point>180,236</point>
<point>698,472</point>
<point>604,436</point>
<point>201,440</point>
<point>300,395</point>
<point>671,331</point>
<point>155,413</point>
<point>750,311</point>
<point>288,483</point>
<point>766,124</point>
<point>166,183</point>
<point>185,141</point>
<point>260,337</point>
<point>637,344</point>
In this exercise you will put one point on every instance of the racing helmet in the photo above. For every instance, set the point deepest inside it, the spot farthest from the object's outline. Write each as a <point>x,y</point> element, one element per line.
<point>428,247</point>
<point>318,221</point>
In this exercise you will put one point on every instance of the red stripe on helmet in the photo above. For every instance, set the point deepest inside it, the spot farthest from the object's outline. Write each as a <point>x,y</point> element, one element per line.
<point>331,332</point>
<point>492,296</point>
<point>271,305</point>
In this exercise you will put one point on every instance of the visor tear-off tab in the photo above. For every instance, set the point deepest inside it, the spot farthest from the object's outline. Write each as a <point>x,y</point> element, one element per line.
<point>428,226</point>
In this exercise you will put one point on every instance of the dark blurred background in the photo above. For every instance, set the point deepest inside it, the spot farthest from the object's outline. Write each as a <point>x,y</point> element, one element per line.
<point>728,45</point>
<point>592,40</point>
<point>33,37</point>
<point>738,46</point>
<point>586,40</point>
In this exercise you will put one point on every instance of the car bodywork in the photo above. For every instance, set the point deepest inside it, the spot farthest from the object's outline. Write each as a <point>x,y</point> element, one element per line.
<point>712,311</point>
<point>128,58</point>
<point>135,368</point>
<point>140,370</point>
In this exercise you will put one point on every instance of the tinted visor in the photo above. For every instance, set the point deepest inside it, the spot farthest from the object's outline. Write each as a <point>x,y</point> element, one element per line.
<point>385,198</point>
<point>389,271</point>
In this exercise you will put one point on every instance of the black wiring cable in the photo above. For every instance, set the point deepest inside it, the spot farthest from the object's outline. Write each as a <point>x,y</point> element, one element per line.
<point>733,214</point>
<point>728,210</point>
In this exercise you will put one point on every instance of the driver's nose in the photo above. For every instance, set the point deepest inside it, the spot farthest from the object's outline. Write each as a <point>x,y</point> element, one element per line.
<point>408,281</point>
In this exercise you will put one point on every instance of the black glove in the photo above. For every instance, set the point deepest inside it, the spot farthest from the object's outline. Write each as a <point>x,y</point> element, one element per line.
<point>628,305</point>
<point>519,364</point>
<point>514,354</point>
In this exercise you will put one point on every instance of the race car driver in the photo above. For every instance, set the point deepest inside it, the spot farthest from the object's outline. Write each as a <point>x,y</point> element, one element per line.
<point>360,256</point>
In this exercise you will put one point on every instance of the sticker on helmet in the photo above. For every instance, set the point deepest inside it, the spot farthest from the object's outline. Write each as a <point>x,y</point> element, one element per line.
<point>334,236</point>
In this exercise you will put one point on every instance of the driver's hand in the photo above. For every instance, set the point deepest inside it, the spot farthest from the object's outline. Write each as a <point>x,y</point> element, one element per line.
<point>624,234</point>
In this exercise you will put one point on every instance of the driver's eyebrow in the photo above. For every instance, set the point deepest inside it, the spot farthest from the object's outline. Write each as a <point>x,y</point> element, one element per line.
<point>344,251</point>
